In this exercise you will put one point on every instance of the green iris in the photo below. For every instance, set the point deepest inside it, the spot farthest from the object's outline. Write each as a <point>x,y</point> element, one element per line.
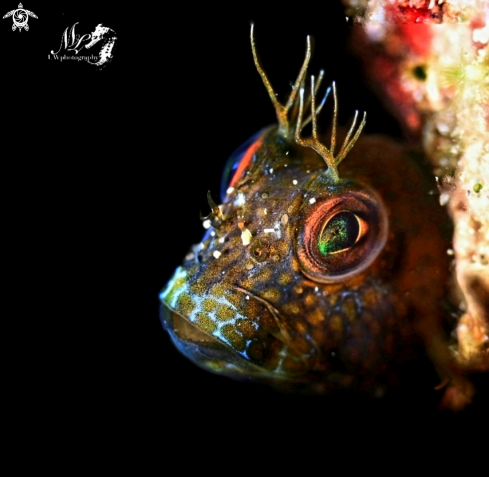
<point>340,233</point>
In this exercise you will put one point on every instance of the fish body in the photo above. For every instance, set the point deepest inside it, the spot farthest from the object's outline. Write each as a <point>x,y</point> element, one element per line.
<point>309,280</point>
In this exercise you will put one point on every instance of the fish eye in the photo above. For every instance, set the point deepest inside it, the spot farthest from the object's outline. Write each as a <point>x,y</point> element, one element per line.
<point>341,235</point>
<point>237,162</point>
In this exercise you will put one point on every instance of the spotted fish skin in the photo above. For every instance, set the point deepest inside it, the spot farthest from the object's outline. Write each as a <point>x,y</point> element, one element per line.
<point>252,302</point>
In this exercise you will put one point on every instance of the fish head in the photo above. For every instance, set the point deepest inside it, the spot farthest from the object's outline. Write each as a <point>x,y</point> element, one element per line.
<point>305,278</point>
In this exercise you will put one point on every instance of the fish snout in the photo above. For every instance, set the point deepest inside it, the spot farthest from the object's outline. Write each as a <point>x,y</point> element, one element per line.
<point>227,330</point>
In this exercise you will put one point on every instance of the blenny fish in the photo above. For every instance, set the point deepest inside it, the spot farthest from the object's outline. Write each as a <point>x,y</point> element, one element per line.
<point>308,277</point>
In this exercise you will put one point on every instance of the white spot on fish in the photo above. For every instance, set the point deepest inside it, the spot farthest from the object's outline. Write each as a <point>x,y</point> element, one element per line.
<point>276,229</point>
<point>206,224</point>
<point>264,211</point>
<point>294,182</point>
<point>221,240</point>
<point>230,190</point>
<point>268,231</point>
<point>246,236</point>
<point>312,200</point>
<point>240,199</point>
<point>216,254</point>
<point>271,170</point>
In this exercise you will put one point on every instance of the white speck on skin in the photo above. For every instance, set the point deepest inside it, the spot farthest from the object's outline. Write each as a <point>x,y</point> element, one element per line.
<point>277,230</point>
<point>264,211</point>
<point>271,170</point>
<point>316,289</point>
<point>221,240</point>
<point>287,153</point>
<point>312,200</point>
<point>216,254</point>
<point>230,190</point>
<point>213,233</point>
<point>285,165</point>
<point>240,199</point>
<point>449,251</point>
<point>294,182</point>
<point>268,231</point>
<point>246,236</point>
<point>206,224</point>
<point>247,297</point>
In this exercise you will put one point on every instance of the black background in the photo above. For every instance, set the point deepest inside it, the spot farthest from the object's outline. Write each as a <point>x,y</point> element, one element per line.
<point>104,183</point>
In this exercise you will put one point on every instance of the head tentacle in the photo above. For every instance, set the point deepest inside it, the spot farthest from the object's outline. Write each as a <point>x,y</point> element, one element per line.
<point>215,210</point>
<point>314,143</point>
<point>308,101</point>
<point>282,110</point>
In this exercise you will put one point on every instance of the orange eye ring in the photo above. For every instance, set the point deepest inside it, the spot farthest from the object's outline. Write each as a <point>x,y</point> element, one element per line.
<point>341,235</point>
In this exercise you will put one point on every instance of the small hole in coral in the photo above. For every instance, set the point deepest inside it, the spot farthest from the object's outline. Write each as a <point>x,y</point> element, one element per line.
<point>420,72</point>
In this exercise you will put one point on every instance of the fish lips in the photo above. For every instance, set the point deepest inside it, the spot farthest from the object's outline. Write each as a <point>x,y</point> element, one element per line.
<point>204,350</point>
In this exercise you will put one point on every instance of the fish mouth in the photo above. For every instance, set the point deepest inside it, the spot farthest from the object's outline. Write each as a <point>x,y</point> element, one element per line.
<point>205,350</point>
<point>227,330</point>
